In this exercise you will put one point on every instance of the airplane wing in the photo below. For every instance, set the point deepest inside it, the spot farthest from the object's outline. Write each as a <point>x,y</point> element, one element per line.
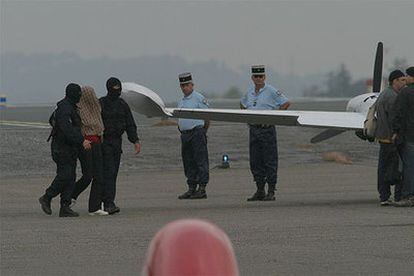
<point>323,119</point>
<point>144,101</point>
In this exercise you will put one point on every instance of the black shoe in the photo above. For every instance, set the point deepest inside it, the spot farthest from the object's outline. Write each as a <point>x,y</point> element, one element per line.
<point>269,197</point>
<point>258,196</point>
<point>112,209</point>
<point>65,211</point>
<point>187,195</point>
<point>405,202</point>
<point>199,194</point>
<point>45,204</point>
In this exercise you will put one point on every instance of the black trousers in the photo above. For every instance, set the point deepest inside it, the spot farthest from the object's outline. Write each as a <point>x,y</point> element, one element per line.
<point>65,158</point>
<point>263,155</point>
<point>195,156</point>
<point>111,152</point>
<point>388,172</point>
<point>92,169</point>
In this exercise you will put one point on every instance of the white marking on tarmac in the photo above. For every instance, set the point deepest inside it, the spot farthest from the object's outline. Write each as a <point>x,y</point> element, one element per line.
<point>24,124</point>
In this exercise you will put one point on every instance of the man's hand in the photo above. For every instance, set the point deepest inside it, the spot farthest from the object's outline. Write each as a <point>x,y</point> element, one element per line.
<point>284,106</point>
<point>87,144</point>
<point>137,146</point>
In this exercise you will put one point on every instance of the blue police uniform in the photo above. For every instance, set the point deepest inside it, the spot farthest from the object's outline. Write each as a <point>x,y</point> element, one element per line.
<point>262,139</point>
<point>194,147</point>
<point>194,100</point>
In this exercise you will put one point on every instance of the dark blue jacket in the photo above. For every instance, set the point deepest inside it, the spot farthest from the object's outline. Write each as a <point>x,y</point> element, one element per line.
<point>117,118</point>
<point>403,122</point>
<point>67,125</point>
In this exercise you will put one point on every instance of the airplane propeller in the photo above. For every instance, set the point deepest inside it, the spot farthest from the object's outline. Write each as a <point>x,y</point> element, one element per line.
<point>376,88</point>
<point>377,77</point>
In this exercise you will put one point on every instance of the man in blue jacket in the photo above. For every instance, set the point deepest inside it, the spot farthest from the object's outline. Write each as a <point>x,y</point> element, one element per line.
<point>262,138</point>
<point>193,141</point>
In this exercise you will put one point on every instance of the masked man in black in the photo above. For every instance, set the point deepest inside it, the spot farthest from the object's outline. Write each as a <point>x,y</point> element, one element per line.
<point>66,142</point>
<point>117,119</point>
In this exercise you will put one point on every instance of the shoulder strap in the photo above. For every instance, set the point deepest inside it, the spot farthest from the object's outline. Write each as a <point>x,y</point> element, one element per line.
<point>52,123</point>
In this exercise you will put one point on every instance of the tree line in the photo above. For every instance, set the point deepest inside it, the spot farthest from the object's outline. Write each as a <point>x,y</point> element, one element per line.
<point>339,83</point>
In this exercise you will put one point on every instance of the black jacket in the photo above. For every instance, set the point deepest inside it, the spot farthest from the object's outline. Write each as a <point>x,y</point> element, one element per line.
<point>67,128</point>
<point>403,122</point>
<point>117,119</point>
<point>385,113</point>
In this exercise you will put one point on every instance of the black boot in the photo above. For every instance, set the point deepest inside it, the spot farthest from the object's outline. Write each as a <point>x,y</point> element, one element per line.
<point>112,209</point>
<point>270,193</point>
<point>189,193</point>
<point>45,204</point>
<point>259,194</point>
<point>200,193</point>
<point>65,211</point>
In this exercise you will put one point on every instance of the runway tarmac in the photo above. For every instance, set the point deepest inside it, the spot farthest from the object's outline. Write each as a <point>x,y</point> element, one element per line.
<point>325,221</point>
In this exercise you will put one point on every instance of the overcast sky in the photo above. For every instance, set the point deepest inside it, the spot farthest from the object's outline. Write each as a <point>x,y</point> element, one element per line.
<point>290,36</point>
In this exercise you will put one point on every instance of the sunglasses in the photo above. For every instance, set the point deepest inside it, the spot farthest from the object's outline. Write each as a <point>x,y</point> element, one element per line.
<point>258,76</point>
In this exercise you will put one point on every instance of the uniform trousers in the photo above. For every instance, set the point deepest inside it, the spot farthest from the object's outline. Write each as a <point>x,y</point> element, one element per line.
<point>263,155</point>
<point>195,156</point>
<point>111,151</point>
<point>65,158</point>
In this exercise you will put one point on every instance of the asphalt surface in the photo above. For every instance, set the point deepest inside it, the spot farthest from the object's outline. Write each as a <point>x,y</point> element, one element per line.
<point>326,220</point>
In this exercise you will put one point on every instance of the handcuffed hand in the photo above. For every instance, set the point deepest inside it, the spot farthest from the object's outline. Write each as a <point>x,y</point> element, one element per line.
<point>87,144</point>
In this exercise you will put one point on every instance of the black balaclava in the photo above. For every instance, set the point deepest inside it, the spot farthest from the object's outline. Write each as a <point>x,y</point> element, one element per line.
<point>73,92</point>
<point>114,87</point>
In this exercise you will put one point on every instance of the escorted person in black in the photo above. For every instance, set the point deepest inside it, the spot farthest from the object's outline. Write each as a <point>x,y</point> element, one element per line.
<point>66,142</point>
<point>91,160</point>
<point>117,119</point>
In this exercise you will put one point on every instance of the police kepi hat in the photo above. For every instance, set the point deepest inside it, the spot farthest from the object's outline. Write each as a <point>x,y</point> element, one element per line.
<point>185,78</point>
<point>258,70</point>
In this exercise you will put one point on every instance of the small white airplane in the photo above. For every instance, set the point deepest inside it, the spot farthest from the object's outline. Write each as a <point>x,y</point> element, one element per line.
<point>144,101</point>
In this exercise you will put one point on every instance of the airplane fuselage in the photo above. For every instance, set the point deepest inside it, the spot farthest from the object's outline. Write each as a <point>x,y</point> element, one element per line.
<point>362,103</point>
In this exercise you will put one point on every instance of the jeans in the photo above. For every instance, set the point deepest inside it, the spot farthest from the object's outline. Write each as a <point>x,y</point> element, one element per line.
<point>388,172</point>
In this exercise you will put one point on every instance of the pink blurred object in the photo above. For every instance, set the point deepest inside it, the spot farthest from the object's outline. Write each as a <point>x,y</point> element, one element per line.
<point>190,247</point>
